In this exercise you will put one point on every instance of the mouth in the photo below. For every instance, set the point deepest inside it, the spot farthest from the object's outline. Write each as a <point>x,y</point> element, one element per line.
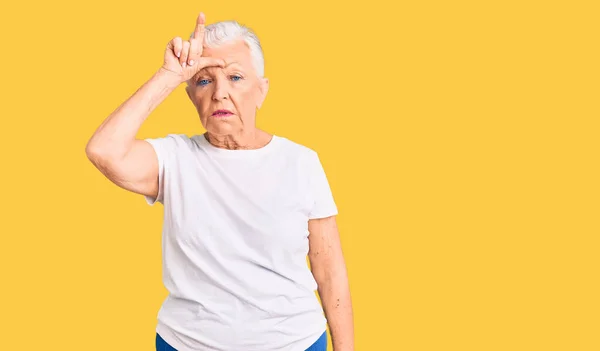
<point>222,113</point>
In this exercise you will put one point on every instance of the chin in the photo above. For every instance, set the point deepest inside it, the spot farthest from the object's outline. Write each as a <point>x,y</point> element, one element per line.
<point>220,127</point>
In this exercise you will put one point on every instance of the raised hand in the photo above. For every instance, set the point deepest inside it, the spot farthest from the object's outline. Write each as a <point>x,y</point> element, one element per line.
<point>184,58</point>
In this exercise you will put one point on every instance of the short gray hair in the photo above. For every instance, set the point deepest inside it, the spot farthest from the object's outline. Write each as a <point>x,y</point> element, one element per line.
<point>219,33</point>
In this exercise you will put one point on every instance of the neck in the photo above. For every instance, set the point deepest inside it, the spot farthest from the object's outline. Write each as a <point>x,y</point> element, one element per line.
<point>246,140</point>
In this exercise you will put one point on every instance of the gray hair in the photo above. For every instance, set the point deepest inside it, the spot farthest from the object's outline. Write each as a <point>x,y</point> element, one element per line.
<point>219,33</point>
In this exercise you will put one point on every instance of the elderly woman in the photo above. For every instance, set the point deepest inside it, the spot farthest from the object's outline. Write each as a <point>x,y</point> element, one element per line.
<point>242,208</point>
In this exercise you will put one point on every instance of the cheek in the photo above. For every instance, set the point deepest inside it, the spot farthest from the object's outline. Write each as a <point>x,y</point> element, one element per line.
<point>246,95</point>
<point>202,100</point>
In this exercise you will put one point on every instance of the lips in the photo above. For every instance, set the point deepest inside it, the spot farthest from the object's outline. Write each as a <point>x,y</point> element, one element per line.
<point>222,113</point>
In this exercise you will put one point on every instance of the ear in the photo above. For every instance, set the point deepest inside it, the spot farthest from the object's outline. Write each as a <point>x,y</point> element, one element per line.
<point>264,89</point>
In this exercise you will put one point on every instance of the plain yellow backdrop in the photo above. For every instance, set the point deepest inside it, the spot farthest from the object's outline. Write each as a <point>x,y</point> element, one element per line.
<point>460,139</point>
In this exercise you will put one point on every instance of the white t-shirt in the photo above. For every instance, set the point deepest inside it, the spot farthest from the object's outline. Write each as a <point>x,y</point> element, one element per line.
<point>235,244</point>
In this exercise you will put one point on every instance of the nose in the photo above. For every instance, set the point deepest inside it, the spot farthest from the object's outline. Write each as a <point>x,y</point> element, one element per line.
<point>221,89</point>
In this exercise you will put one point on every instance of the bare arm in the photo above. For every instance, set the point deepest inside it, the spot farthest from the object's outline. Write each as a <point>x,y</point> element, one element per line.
<point>129,162</point>
<point>329,269</point>
<point>114,150</point>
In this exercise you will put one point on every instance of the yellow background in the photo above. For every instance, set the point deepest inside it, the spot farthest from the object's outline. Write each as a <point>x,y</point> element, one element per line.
<point>460,139</point>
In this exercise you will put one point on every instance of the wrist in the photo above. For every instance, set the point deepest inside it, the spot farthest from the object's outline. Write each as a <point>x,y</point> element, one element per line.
<point>167,78</point>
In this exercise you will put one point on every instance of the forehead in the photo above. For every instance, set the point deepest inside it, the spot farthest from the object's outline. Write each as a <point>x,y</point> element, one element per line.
<point>235,51</point>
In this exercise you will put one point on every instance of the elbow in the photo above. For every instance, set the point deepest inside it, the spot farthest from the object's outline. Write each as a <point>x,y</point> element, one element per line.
<point>102,158</point>
<point>104,162</point>
<point>102,152</point>
<point>329,272</point>
<point>95,153</point>
<point>321,272</point>
<point>92,152</point>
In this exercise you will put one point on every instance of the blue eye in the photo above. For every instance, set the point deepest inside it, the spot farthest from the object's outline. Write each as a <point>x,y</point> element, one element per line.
<point>203,82</point>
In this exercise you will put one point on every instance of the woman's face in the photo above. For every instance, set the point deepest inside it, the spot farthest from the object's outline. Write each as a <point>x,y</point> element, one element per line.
<point>234,87</point>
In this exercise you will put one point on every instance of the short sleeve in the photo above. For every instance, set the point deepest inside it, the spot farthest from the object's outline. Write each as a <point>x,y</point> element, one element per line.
<point>323,202</point>
<point>164,148</point>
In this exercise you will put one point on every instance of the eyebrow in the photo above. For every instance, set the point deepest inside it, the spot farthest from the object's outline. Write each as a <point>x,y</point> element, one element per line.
<point>232,63</point>
<point>204,70</point>
<point>226,65</point>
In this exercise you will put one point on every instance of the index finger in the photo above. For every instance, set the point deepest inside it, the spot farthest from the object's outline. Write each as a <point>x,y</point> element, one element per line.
<point>199,31</point>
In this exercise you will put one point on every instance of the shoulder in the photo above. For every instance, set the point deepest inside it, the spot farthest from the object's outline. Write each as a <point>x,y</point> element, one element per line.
<point>297,150</point>
<point>172,142</point>
<point>305,157</point>
<point>173,138</point>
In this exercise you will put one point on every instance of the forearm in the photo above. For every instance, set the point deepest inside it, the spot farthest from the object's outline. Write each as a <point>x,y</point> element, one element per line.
<point>334,292</point>
<point>115,136</point>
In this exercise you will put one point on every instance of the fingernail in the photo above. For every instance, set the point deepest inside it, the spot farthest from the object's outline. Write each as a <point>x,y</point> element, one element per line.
<point>184,64</point>
<point>178,53</point>
<point>191,62</point>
